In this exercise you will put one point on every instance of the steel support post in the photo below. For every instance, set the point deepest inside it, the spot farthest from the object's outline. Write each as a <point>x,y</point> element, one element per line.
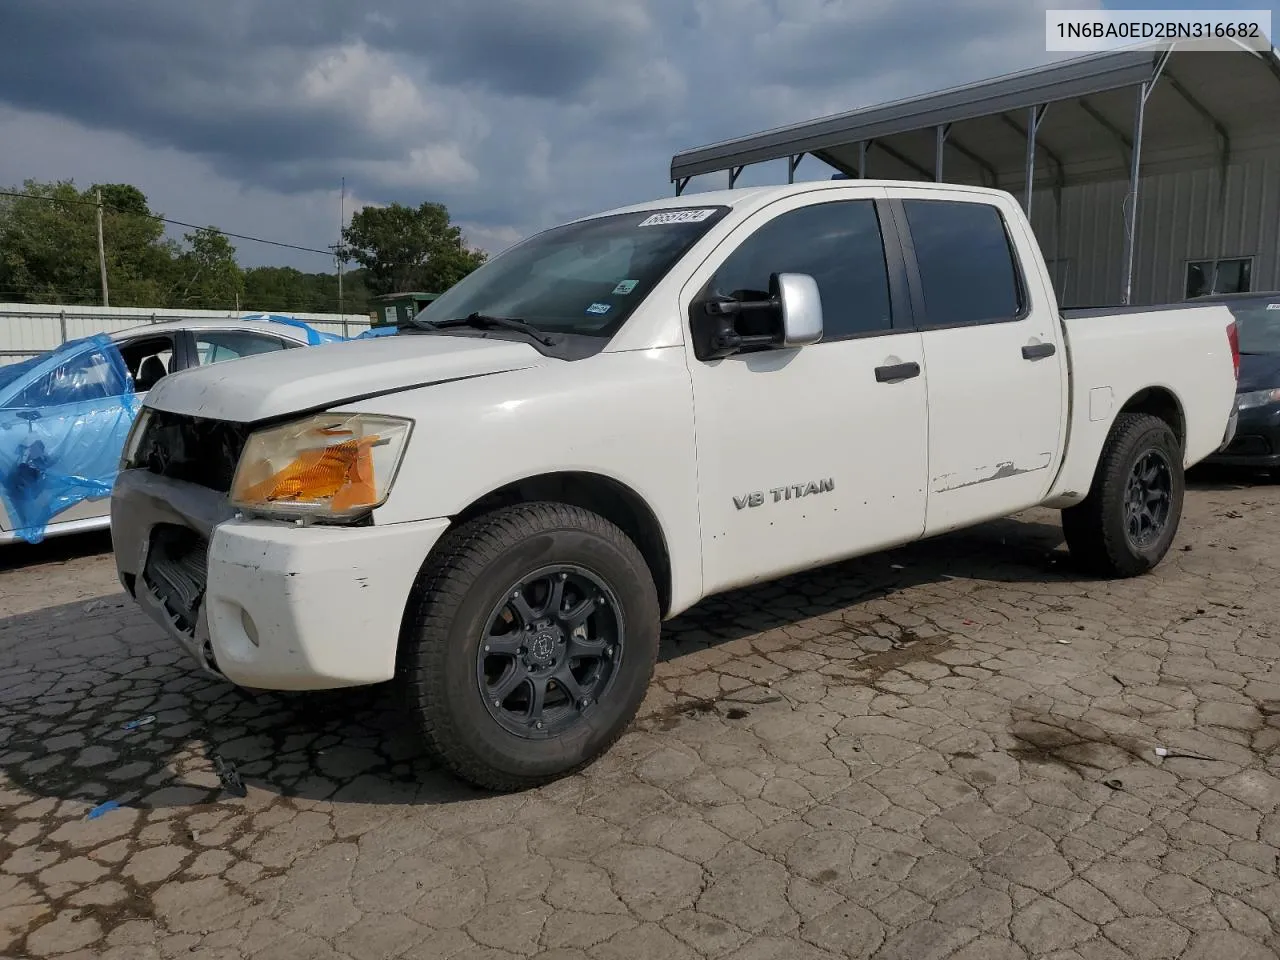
<point>792,163</point>
<point>1034,116</point>
<point>1131,214</point>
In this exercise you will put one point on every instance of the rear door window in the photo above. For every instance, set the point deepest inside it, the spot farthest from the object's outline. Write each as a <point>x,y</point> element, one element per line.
<point>215,346</point>
<point>968,273</point>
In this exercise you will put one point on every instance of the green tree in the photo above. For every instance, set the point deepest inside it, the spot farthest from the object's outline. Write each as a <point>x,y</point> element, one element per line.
<point>210,276</point>
<point>49,254</point>
<point>49,245</point>
<point>286,289</point>
<point>409,248</point>
<point>140,258</point>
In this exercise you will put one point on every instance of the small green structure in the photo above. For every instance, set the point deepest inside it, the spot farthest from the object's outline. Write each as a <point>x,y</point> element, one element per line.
<point>395,309</point>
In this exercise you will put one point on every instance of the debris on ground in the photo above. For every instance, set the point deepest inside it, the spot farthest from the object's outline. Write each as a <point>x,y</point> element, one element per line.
<point>102,808</point>
<point>229,776</point>
<point>1186,755</point>
<point>140,722</point>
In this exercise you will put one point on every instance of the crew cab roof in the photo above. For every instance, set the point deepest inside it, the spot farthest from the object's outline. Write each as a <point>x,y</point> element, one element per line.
<point>746,199</point>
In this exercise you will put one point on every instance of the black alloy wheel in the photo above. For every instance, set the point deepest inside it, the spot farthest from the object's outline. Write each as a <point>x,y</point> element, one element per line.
<point>1148,499</point>
<point>550,651</point>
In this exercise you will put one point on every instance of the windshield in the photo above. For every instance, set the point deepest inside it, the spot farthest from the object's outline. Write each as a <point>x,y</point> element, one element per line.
<point>1259,325</point>
<point>582,278</point>
<point>9,372</point>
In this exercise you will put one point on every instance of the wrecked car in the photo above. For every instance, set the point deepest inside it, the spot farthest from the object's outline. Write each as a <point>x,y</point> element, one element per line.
<point>64,415</point>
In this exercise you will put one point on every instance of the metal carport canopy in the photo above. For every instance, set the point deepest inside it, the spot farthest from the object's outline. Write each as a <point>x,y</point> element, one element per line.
<point>1202,74</point>
<point>1100,117</point>
<point>1074,78</point>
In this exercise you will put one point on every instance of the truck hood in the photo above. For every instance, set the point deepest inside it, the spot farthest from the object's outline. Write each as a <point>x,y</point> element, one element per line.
<point>294,381</point>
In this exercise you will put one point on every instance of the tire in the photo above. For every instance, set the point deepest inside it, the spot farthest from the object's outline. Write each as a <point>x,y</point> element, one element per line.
<point>1098,530</point>
<point>463,601</point>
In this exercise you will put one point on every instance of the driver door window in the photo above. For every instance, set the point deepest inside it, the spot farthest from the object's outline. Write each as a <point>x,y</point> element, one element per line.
<point>87,377</point>
<point>839,245</point>
<point>148,360</point>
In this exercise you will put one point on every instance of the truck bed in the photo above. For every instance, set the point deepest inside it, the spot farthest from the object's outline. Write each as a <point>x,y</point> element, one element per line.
<point>1184,367</point>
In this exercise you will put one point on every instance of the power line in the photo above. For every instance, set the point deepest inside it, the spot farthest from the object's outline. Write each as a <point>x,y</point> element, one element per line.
<point>156,216</point>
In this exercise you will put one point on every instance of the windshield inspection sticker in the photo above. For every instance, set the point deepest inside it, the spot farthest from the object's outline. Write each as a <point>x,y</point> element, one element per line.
<point>675,216</point>
<point>625,287</point>
<point>599,309</point>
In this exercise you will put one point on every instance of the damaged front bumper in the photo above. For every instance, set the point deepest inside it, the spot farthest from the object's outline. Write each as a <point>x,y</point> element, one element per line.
<point>266,604</point>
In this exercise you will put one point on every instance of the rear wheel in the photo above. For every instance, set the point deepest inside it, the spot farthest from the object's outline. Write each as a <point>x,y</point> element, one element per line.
<point>529,644</point>
<point>1127,523</point>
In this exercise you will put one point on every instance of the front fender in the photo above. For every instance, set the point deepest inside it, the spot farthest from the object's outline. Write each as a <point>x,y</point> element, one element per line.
<point>624,416</point>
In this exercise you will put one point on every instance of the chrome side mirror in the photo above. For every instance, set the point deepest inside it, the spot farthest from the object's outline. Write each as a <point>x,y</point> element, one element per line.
<point>800,304</point>
<point>791,316</point>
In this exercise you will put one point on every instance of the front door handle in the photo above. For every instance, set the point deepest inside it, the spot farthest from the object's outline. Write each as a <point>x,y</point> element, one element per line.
<point>1038,351</point>
<point>897,371</point>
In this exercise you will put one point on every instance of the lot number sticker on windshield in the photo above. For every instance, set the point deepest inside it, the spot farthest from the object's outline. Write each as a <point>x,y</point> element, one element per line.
<point>676,216</point>
<point>599,309</point>
<point>1273,306</point>
<point>625,287</point>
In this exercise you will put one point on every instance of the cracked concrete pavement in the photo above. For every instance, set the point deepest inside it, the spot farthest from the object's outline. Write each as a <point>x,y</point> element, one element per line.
<point>947,751</point>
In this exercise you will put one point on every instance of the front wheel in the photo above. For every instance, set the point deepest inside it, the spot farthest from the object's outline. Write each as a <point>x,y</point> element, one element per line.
<point>1127,523</point>
<point>529,644</point>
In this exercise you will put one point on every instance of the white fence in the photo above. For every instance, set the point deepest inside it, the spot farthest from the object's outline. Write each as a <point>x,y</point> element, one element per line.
<point>29,329</point>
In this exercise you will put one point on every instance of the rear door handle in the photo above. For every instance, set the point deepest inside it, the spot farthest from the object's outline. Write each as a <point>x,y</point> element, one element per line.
<point>897,371</point>
<point>1038,351</point>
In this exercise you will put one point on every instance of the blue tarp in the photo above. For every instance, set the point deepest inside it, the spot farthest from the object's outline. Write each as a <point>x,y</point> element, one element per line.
<point>376,332</point>
<point>64,417</point>
<point>314,337</point>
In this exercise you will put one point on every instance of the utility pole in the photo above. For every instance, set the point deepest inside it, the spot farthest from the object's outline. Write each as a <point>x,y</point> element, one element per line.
<point>102,254</point>
<point>342,216</point>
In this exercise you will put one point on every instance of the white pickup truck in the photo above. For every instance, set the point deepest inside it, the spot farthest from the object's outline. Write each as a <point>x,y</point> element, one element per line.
<point>625,414</point>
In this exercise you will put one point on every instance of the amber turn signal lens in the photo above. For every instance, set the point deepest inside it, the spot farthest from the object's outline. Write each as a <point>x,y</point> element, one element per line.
<point>328,465</point>
<point>342,474</point>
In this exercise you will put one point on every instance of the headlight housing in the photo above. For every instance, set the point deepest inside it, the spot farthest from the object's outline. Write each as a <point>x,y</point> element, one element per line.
<point>1257,398</point>
<point>331,466</point>
<point>131,442</point>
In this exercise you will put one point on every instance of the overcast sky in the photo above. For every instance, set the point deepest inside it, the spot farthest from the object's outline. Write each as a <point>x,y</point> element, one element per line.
<point>514,113</point>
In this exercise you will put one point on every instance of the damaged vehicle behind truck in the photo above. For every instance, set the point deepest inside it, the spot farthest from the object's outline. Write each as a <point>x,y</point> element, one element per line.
<point>625,414</point>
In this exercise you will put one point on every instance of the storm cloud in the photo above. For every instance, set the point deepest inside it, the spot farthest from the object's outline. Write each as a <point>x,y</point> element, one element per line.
<point>514,113</point>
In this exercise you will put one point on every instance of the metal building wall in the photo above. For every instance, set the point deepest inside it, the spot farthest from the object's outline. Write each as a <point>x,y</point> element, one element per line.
<point>1181,217</point>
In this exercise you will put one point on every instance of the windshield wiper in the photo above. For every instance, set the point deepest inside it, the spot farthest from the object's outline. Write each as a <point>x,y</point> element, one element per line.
<point>483,321</point>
